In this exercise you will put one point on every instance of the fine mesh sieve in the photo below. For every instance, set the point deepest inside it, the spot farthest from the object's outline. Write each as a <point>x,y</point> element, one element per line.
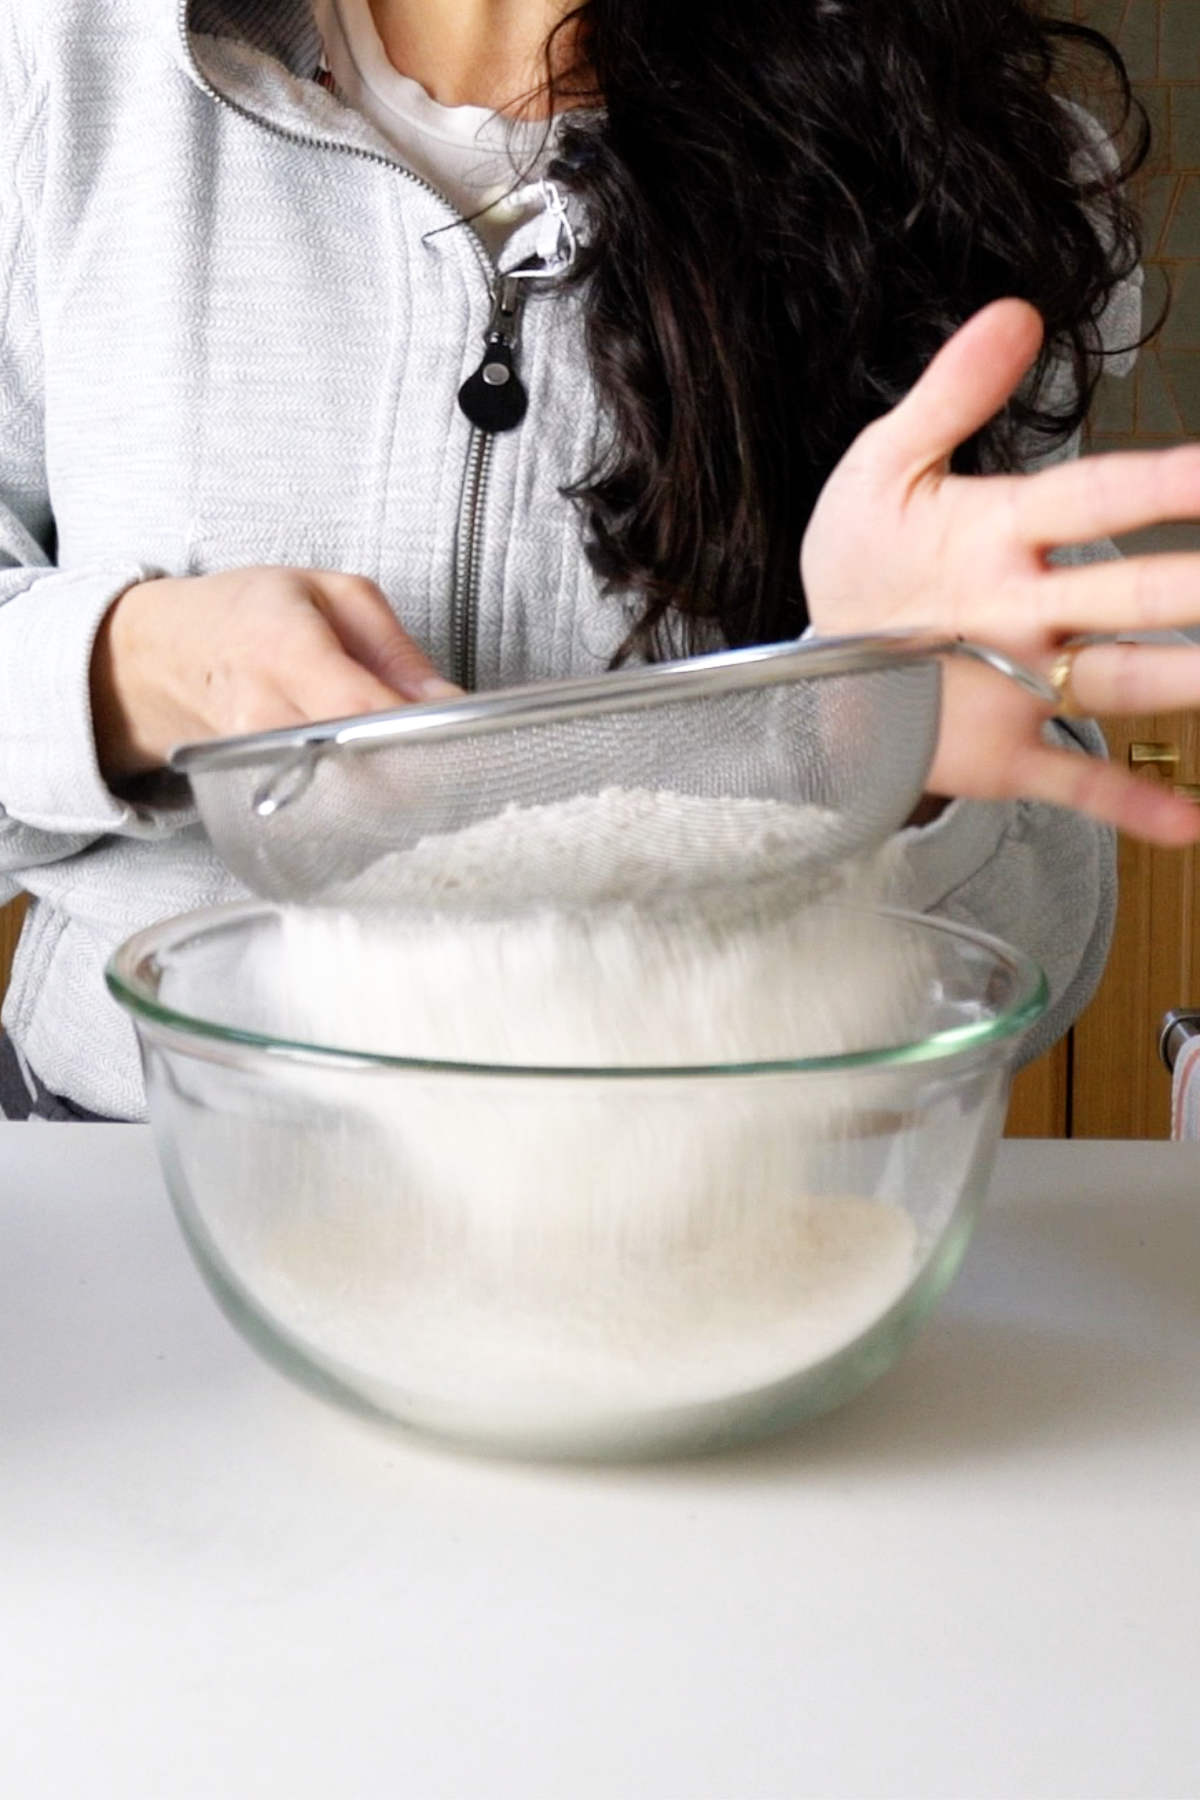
<point>361,812</point>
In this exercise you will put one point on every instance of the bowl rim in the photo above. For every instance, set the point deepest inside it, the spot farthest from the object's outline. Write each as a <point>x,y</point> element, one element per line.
<point>210,1041</point>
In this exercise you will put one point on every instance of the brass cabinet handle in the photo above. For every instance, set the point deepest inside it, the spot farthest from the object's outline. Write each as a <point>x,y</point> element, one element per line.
<point>1165,757</point>
<point>1153,756</point>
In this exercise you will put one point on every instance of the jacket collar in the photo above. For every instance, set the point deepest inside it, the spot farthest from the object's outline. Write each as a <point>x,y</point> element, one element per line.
<point>283,29</point>
<point>286,31</point>
<point>261,57</point>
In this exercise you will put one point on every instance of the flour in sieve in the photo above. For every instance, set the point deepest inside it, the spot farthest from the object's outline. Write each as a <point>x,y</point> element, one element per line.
<point>622,844</point>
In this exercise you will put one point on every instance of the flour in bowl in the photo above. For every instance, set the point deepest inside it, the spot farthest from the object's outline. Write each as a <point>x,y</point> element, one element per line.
<point>550,1248</point>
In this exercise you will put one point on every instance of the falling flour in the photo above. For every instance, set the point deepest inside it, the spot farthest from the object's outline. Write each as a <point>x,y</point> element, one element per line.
<point>470,962</point>
<point>542,1250</point>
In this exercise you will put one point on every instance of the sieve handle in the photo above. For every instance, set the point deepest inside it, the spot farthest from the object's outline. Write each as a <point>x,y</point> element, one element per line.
<point>285,784</point>
<point>1037,685</point>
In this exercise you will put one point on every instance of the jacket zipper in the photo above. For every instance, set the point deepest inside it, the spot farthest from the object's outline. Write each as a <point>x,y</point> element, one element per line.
<point>464,592</point>
<point>494,400</point>
<point>464,600</point>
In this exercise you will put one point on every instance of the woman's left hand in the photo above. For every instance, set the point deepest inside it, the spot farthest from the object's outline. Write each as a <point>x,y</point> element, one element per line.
<point>897,540</point>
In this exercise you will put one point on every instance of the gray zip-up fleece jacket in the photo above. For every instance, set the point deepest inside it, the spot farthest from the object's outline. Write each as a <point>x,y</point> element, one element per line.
<point>233,330</point>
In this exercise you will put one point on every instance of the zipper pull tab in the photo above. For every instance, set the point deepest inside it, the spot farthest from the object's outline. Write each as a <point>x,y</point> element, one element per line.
<point>494,398</point>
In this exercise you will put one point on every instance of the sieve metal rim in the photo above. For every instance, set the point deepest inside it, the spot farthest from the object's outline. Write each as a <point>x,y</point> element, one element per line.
<point>578,697</point>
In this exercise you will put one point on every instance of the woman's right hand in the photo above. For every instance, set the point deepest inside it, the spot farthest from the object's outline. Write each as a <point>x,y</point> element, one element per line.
<point>204,656</point>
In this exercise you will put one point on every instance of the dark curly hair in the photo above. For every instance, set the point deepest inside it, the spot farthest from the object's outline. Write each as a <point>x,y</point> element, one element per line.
<point>791,204</point>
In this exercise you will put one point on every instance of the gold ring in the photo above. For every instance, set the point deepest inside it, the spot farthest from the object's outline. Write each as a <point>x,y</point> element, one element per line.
<point>1059,676</point>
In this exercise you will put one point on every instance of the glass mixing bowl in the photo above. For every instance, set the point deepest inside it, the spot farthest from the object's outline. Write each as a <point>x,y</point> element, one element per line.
<point>574,1262</point>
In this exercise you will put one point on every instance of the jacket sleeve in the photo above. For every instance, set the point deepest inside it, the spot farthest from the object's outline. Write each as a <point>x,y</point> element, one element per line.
<point>53,799</point>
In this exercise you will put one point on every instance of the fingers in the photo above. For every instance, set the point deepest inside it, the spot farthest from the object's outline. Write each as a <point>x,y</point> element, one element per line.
<point>1136,806</point>
<point>327,685</point>
<point>359,613</point>
<point>1130,593</point>
<point>321,682</point>
<point>262,711</point>
<point>332,685</point>
<point>1103,496</point>
<point>1115,679</point>
<point>965,385</point>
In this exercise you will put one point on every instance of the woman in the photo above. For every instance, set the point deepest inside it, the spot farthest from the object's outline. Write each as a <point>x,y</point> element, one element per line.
<point>254,467</point>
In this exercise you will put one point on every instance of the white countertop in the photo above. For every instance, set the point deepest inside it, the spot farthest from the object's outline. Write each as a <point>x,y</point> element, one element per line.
<point>980,1579</point>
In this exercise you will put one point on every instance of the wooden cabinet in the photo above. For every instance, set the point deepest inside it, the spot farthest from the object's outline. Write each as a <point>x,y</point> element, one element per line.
<point>10,930</point>
<point>1119,1085</point>
<point>1106,1079</point>
<point>1041,1094</point>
